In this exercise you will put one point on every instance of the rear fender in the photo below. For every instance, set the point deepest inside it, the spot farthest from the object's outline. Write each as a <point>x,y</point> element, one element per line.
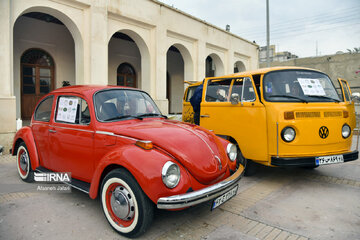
<point>25,134</point>
<point>144,165</point>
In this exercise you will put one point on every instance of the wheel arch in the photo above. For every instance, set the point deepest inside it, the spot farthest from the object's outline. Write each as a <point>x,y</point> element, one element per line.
<point>25,135</point>
<point>144,165</point>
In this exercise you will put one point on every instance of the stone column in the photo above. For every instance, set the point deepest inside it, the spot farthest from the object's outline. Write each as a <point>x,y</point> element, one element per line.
<point>160,70</point>
<point>7,98</point>
<point>96,45</point>
<point>201,58</point>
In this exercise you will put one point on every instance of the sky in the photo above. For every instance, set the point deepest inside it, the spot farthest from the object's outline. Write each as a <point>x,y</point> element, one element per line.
<point>305,28</point>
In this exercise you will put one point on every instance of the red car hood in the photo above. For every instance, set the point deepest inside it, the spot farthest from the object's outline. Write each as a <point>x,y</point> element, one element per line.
<point>197,149</point>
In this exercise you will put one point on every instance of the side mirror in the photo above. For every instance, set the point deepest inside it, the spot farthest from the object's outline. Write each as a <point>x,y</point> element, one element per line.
<point>355,96</point>
<point>234,99</point>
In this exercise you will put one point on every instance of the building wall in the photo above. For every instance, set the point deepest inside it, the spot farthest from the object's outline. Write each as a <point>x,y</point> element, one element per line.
<point>345,66</point>
<point>85,53</point>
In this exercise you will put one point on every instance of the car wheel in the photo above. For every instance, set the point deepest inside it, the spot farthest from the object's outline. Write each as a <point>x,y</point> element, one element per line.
<point>126,207</point>
<point>24,164</point>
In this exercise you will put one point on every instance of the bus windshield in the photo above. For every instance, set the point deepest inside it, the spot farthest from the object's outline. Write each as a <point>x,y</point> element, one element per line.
<point>298,86</point>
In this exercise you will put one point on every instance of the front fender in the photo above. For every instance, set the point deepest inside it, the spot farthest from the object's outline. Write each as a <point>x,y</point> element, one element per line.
<point>25,134</point>
<point>145,166</point>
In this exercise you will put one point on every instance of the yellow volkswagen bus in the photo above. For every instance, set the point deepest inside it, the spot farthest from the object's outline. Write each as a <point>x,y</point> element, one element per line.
<point>281,116</point>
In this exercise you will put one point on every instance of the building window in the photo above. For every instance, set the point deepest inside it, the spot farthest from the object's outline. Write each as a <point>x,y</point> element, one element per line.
<point>126,75</point>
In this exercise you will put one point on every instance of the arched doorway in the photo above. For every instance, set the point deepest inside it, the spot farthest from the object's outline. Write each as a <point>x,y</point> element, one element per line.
<point>239,67</point>
<point>128,47</point>
<point>37,79</point>
<point>209,67</point>
<point>126,75</point>
<point>214,66</point>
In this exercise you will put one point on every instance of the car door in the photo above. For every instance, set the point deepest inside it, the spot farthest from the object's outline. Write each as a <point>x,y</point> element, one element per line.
<point>244,121</point>
<point>188,112</point>
<point>40,127</point>
<point>72,138</point>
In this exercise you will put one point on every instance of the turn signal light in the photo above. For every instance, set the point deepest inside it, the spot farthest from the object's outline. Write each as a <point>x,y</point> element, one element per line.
<point>289,115</point>
<point>345,114</point>
<point>147,145</point>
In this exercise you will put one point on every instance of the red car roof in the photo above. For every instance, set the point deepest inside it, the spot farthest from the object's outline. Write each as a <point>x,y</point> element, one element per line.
<point>87,89</point>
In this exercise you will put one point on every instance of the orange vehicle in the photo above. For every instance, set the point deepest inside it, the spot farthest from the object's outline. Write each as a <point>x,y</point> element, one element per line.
<point>281,116</point>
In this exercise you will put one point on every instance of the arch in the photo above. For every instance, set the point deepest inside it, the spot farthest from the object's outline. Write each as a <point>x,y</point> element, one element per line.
<point>217,65</point>
<point>145,57</point>
<point>74,31</point>
<point>239,66</point>
<point>188,61</point>
<point>126,75</point>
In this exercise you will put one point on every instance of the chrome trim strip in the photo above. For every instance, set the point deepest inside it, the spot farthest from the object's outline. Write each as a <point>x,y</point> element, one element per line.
<point>105,133</point>
<point>76,129</point>
<point>202,195</point>
<point>116,135</point>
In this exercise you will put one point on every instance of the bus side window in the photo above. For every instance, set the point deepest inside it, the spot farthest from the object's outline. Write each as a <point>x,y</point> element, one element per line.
<point>256,79</point>
<point>218,90</point>
<point>249,92</point>
<point>190,93</point>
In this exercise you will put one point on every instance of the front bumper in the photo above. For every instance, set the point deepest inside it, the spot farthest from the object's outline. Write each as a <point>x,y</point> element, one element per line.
<point>202,195</point>
<point>307,161</point>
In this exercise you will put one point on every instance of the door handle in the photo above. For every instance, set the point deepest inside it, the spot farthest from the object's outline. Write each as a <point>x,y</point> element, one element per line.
<point>52,131</point>
<point>205,116</point>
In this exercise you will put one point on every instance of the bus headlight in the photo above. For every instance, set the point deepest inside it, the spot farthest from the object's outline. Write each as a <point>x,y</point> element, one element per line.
<point>346,131</point>
<point>288,134</point>
<point>170,174</point>
<point>231,151</point>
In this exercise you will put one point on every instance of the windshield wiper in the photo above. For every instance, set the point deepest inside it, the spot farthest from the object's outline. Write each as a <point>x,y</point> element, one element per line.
<point>118,117</point>
<point>289,96</point>
<point>325,97</point>
<point>141,116</point>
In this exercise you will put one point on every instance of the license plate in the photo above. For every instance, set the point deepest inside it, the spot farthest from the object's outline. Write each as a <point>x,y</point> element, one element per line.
<point>329,159</point>
<point>225,197</point>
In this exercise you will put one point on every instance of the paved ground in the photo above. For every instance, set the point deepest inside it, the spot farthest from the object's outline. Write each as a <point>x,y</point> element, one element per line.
<point>274,204</point>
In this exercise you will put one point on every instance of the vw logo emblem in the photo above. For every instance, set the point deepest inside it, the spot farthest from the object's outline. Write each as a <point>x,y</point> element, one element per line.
<point>323,132</point>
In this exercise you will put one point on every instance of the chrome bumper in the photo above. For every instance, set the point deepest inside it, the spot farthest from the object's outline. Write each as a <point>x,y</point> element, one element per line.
<point>202,195</point>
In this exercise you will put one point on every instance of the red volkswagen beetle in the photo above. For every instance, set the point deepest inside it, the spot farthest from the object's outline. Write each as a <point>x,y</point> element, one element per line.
<point>116,144</point>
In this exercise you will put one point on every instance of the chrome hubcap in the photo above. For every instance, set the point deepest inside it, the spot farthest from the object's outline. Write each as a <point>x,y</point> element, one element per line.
<point>122,203</point>
<point>24,160</point>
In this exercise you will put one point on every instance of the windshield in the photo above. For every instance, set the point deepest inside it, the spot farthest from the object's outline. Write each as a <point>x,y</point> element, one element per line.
<point>298,86</point>
<point>117,104</point>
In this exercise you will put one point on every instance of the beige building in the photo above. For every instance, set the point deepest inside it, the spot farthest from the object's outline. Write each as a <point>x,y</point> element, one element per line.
<point>139,43</point>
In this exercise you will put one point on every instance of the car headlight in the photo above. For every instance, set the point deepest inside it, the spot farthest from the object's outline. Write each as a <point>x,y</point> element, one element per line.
<point>346,131</point>
<point>170,174</point>
<point>288,134</point>
<point>231,151</point>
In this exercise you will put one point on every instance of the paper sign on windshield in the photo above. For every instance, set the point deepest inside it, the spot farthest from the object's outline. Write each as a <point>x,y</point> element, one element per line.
<point>67,109</point>
<point>311,87</point>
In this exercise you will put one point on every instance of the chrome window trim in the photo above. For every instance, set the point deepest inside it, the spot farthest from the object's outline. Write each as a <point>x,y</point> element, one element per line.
<point>56,107</point>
